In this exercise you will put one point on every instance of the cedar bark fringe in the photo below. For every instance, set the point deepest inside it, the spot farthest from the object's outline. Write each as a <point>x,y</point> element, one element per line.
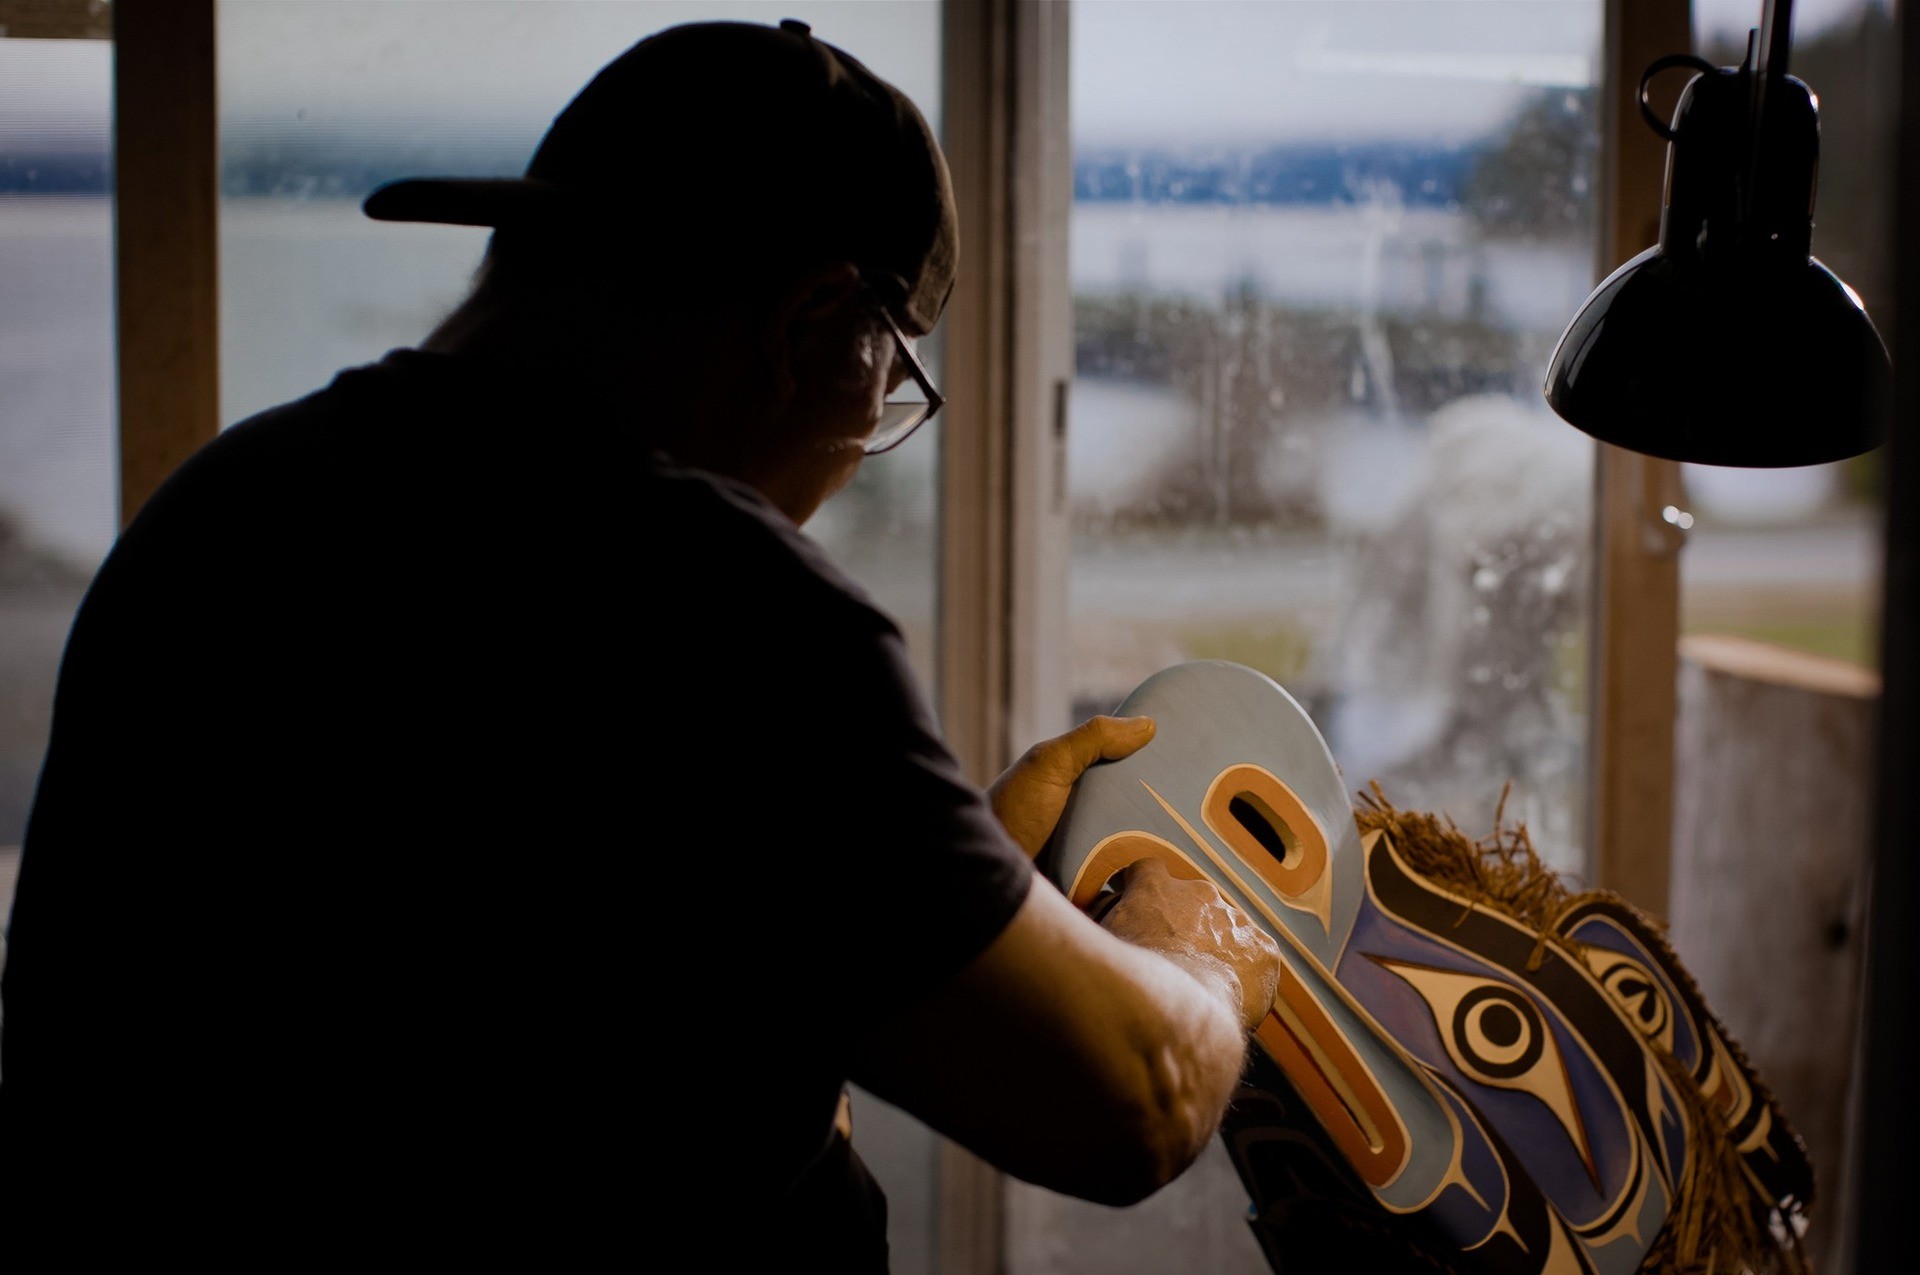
<point>1717,1223</point>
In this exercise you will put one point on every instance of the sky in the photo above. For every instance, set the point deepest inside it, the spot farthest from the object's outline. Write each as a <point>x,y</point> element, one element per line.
<point>1144,71</point>
<point>1449,70</point>
<point>1237,70</point>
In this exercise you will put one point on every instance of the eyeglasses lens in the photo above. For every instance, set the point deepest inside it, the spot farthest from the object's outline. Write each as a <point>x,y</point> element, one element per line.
<point>908,405</point>
<point>900,415</point>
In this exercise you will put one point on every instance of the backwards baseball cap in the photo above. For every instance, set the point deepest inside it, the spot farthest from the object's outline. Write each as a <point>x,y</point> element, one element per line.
<point>741,145</point>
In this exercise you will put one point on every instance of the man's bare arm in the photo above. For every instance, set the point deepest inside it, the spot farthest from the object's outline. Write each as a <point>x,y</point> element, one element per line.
<point>1079,1060</point>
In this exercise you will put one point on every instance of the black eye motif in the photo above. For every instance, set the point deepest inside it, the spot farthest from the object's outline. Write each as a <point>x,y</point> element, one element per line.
<point>1498,1037</point>
<point>1636,992</point>
<point>1498,1033</point>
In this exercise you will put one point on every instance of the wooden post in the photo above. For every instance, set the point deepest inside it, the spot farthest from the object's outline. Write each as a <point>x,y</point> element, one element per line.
<point>977,131</point>
<point>55,20</point>
<point>1040,186</point>
<point>1637,583</point>
<point>979,126</point>
<point>1886,1128</point>
<point>166,188</point>
<point>1774,782</point>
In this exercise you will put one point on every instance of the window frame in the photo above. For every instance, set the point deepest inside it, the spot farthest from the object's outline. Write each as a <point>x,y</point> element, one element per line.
<point>1002,646</point>
<point>166,176</point>
<point>1634,657</point>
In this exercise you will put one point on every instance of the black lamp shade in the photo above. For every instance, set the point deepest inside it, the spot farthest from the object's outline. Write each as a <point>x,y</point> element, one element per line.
<point>1764,369</point>
<point>1728,343</point>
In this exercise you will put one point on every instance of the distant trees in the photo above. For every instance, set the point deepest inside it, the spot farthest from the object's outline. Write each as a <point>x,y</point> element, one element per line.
<point>1536,179</point>
<point>1427,175</point>
<point>1265,378</point>
<point>56,172</point>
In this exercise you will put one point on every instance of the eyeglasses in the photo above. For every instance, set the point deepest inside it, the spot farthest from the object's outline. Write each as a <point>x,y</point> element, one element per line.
<point>911,405</point>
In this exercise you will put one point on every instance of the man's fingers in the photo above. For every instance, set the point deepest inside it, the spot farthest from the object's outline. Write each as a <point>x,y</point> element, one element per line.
<point>1104,738</point>
<point>1147,867</point>
<point>1124,736</point>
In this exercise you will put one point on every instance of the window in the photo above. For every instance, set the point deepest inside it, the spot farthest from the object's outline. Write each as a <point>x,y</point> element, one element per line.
<point>1321,253</point>
<point>59,483</point>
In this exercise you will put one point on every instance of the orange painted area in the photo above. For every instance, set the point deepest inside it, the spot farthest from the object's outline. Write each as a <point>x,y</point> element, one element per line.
<point>1336,1085</point>
<point>1725,1087</point>
<point>1300,832</point>
<point>1119,850</point>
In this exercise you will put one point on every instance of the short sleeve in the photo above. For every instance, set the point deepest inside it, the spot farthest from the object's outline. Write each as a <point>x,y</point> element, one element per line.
<point>867,868</point>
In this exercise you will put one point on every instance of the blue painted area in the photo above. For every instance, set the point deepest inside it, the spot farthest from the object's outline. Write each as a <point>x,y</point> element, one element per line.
<point>1526,1124</point>
<point>1603,932</point>
<point>1458,1214</point>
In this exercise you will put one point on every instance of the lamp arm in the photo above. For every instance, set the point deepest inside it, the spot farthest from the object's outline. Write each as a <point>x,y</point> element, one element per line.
<point>1776,37</point>
<point>1769,71</point>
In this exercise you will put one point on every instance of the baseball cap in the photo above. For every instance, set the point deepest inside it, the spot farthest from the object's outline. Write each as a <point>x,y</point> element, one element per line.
<point>755,145</point>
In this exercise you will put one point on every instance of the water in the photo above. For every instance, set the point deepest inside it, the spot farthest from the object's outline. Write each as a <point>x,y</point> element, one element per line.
<point>57,409</point>
<point>1425,260</point>
<point>309,287</point>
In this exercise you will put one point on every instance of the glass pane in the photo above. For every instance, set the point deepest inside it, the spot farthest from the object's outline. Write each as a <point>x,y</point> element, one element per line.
<point>1321,253</point>
<point>321,102</point>
<point>59,481</point>
<point>1792,556</point>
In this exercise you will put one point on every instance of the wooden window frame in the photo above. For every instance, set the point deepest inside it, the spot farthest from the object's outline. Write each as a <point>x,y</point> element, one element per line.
<point>166,179</point>
<point>1634,661</point>
<point>1002,660</point>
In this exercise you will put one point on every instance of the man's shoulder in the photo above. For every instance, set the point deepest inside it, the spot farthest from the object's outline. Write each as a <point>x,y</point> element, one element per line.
<point>307,443</point>
<point>731,539</point>
<point>407,402</point>
<point>416,445</point>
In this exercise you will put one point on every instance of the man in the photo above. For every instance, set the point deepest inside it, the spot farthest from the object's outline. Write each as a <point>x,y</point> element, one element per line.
<point>476,814</point>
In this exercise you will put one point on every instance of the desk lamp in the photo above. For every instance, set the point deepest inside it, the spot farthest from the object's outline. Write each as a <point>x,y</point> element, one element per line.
<point>1728,343</point>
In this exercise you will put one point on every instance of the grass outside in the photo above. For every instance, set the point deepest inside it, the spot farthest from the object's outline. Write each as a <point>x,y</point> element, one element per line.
<point>1279,650</point>
<point>1853,641</point>
<point>1843,625</point>
<point>1839,625</point>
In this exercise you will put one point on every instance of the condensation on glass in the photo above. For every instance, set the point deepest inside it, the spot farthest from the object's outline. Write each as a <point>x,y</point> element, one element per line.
<point>1317,274</point>
<point>320,102</point>
<point>1793,556</point>
<point>59,484</point>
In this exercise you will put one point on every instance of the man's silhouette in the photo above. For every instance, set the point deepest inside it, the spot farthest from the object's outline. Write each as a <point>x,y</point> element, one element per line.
<point>478,819</point>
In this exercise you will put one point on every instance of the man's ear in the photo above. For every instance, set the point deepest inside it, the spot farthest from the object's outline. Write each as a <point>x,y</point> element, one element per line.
<point>813,296</point>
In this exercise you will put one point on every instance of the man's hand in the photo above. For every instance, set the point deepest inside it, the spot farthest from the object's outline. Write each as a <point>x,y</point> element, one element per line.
<point>1029,797</point>
<point>1192,924</point>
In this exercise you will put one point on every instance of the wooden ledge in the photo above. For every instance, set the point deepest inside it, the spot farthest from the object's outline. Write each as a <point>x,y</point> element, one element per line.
<point>1771,665</point>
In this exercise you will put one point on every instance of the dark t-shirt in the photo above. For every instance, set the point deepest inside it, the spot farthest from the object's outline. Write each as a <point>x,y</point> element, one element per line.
<point>457,818</point>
